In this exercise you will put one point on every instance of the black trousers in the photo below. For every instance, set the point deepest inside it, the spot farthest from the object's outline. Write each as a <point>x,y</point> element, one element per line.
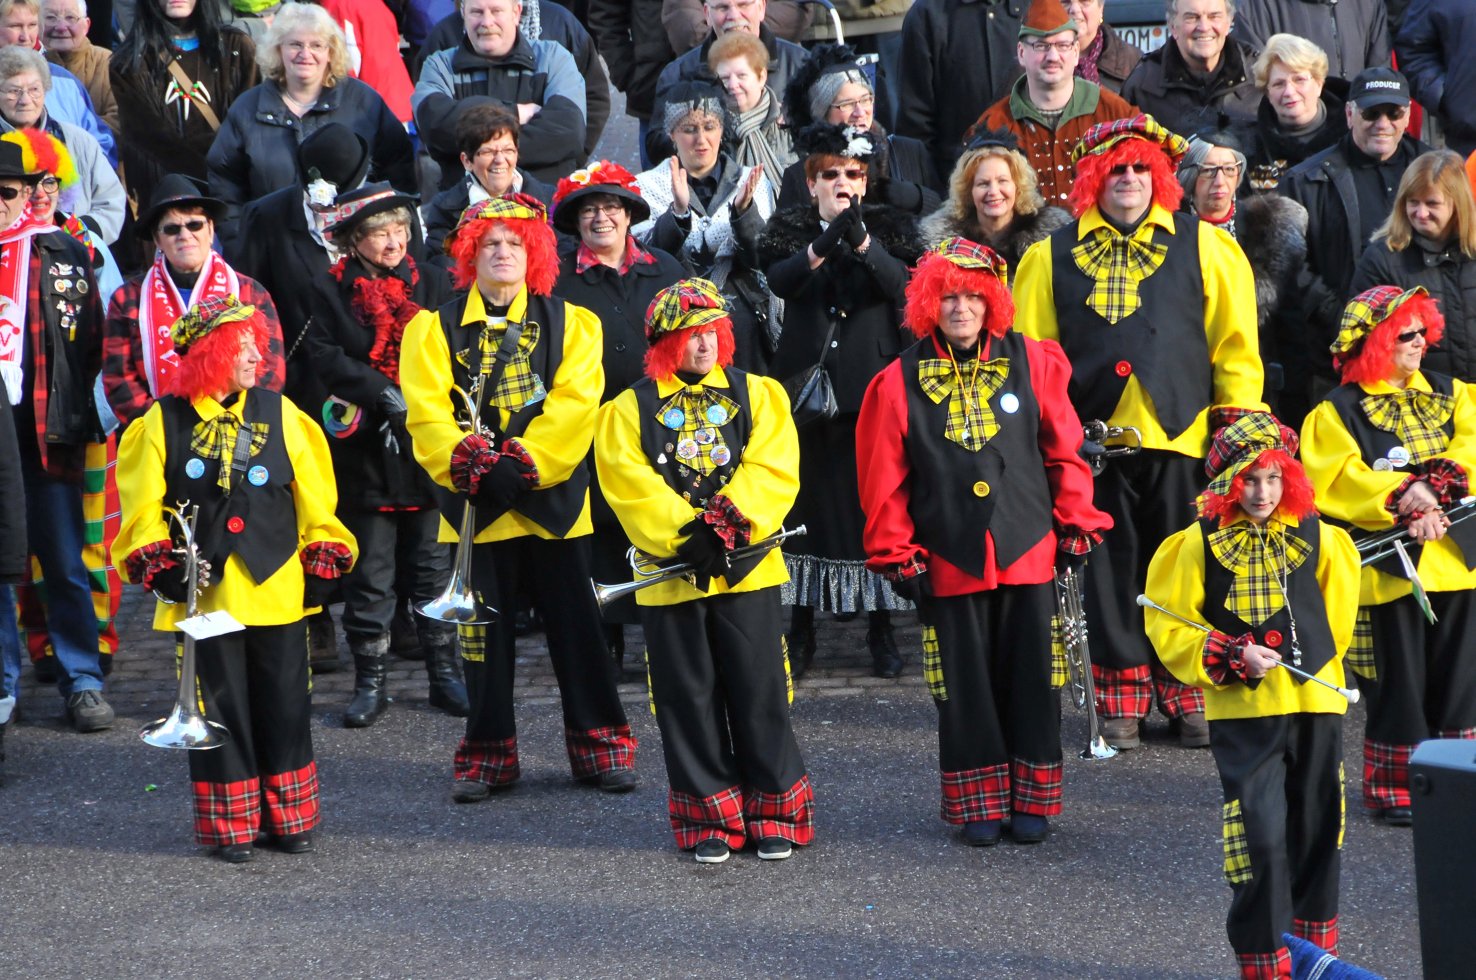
<point>1426,682</point>
<point>1283,824</point>
<point>397,550</point>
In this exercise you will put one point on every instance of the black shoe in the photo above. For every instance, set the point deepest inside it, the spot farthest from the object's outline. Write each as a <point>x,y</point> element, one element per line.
<point>235,853</point>
<point>371,666</point>
<point>617,780</point>
<point>88,712</point>
<point>1027,828</point>
<point>295,843</point>
<point>404,636</point>
<point>712,851</point>
<point>447,691</point>
<point>469,791</point>
<point>774,849</point>
<point>886,659</point>
<point>322,643</point>
<point>1395,816</point>
<point>982,833</point>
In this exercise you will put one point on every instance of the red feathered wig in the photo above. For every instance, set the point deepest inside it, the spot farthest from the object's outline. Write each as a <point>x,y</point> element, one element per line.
<point>207,368</point>
<point>1092,170</point>
<point>1372,358</point>
<point>538,239</point>
<point>937,277</point>
<point>1296,489</point>
<point>666,353</point>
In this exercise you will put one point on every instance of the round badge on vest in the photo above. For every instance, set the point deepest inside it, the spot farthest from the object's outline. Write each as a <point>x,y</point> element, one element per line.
<point>721,455</point>
<point>1398,457</point>
<point>257,476</point>
<point>195,468</point>
<point>673,418</point>
<point>1009,403</point>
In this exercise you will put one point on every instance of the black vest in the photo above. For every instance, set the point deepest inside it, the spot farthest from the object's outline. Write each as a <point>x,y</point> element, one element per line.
<point>1374,443</point>
<point>1303,600</point>
<point>558,507</point>
<point>660,449</point>
<point>947,510</point>
<point>1162,343</point>
<point>265,516</point>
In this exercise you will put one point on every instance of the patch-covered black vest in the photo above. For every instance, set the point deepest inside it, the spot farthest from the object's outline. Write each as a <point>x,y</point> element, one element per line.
<point>555,508</point>
<point>956,494</point>
<point>1162,343</point>
<point>258,520</point>
<point>1303,600</point>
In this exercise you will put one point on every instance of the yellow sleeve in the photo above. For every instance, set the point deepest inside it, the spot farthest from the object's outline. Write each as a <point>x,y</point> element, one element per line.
<point>1176,582</point>
<point>1462,448</point>
<point>1347,488</point>
<point>1034,294</point>
<point>559,438</point>
<point>1339,574</point>
<point>649,511</point>
<point>141,487</point>
<point>426,382</point>
<point>766,481</point>
<point>1230,324</point>
<point>314,490</point>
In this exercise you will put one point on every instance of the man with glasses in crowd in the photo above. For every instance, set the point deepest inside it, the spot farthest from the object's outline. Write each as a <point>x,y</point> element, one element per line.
<point>1201,78</point>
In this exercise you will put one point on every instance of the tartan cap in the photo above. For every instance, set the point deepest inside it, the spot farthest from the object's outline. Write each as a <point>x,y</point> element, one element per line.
<point>1367,310</point>
<point>1105,135</point>
<point>204,317</point>
<point>512,206</point>
<point>971,255</point>
<point>1239,444</point>
<point>685,303</point>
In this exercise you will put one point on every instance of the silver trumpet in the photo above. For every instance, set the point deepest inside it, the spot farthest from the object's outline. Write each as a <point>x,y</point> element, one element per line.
<point>186,727</point>
<point>656,571</point>
<point>1079,660</point>
<point>458,602</point>
<point>1377,547</point>
<point>1097,432</point>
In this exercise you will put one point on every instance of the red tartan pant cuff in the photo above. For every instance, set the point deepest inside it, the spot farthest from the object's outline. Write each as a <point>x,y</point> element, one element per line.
<point>1174,699</point>
<point>1035,787</point>
<point>1265,966</point>
<point>232,813</point>
<point>696,818</point>
<point>490,761</point>
<point>1385,774</point>
<point>790,815</point>
<point>291,800</point>
<point>600,750</point>
<point>1126,693</point>
<point>1322,934</point>
<point>971,795</point>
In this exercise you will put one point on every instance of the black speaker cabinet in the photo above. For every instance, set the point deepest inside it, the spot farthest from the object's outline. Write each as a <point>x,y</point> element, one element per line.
<point>1442,780</point>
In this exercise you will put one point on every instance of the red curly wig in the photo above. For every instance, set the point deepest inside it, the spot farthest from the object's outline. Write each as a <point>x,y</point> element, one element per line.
<point>1371,359</point>
<point>666,353</point>
<point>937,277</point>
<point>538,239</point>
<point>1092,170</point>
<point>1296,489</point>
<point>207,368</point>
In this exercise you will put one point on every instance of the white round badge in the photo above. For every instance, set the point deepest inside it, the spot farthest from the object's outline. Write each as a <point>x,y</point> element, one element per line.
<point>1398,456</point>
<point>1008,403</point>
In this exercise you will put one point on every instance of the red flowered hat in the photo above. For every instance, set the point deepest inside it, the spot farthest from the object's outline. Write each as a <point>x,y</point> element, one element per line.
<point>600,177</point>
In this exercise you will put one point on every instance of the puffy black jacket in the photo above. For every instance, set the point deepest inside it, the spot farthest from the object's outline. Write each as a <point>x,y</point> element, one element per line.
<point>1450,276</point>
<point>1163,87</point>
<point>1353,33</point>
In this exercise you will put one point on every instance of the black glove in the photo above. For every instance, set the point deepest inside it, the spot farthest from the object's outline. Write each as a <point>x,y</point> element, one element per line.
<point>856,230</point>
<point>912,589</point>
<point>391,404</point>
<point>316,590</point>
<point>903,195</point>
<point>169,584</point>
<point>504,484</point>
<point>1065,561</point>
<point>830,237</point>
<point>704,550</point>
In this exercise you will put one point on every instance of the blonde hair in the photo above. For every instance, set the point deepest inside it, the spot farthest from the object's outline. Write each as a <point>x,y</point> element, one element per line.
<point>6,6</point>
<point>961,183</point>
<point>1294,54</point>
<point>1439,170</point>
<point>295,16</point>
<point>737,44</point>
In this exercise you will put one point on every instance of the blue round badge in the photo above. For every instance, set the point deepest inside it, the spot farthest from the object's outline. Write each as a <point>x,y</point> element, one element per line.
<point>195,469</point>
<point>257,476</point>
<point>673,418</point>
<point>716,414</point>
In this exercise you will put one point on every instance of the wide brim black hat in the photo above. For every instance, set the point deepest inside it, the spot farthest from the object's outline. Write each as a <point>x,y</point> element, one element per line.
<point>378,198</point>
<point>334,153</point>
<point>13,162</point>
<point>566,212</point>
<point>177,191</point>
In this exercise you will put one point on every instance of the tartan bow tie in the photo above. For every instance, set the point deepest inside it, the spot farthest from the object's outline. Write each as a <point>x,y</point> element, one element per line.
<point>1416,417</point>
<point>697,415</point>
<point>1261,560</point>
<point>971,422</point>
<point>1117,264</point>
<point>216,439</point>
<point>519,386</point>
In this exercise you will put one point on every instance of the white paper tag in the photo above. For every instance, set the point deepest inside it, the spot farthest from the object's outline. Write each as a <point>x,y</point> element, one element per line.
<point>206,625</point>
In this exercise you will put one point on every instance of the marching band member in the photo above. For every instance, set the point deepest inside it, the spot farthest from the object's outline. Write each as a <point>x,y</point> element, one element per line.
<point>1275,584</point>
<point>971,428</point>
<point>535,360</point>
<point>1156,311</point>
<point>696,459</point>
<point>1392,447</point>
<point>258,470</point>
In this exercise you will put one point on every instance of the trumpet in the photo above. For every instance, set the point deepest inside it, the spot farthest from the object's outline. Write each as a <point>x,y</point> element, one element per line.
<point>1079,661</point>
<point>458,602</point>
<point>1376,547</point>
<point>1096,433</point>
<point>186,727</point>
<point>656,571</point>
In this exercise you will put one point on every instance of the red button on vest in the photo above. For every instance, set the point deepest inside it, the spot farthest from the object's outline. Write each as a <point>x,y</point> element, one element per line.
<point>1273,638</point>
<point>235,525</point>
<point>1123,369</point>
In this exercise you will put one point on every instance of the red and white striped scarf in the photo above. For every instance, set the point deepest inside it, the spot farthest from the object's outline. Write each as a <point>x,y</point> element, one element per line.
<point>159,305</point>
<point>15,276</point>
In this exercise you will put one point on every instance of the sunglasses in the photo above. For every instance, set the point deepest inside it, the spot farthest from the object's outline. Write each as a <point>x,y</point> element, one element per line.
<point>1409,335</point>
<point>193,225</point>
<point>833,174</point>
<point>11,193</point>
<point>1391,112</point>
<point>1123,168</point>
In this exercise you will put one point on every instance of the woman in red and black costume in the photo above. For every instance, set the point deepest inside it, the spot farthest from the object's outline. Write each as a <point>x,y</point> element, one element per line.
<point>259,472</point>
<point>971,428</point>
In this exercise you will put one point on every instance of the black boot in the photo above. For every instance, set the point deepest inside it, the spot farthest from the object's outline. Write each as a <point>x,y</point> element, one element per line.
<point>371,656</point>
<point>886,659</point>
<point>447,692</point>
<point>801,640</point>
<point>322,643</point>
<point>404,640</point>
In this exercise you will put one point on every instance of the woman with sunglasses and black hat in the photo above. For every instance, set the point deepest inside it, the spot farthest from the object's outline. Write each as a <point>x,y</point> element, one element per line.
<point>353,344</point>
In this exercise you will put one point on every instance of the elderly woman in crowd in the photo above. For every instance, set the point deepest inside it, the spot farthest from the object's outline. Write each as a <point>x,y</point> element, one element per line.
<point>96,195</point>
<point>708,211</point>
<point>304,64</point>
<point>1301,110</point>
<point>841,269</point>
<point>741,63</point>
<point>994,200</point>
<point>603,269</point>
<point>353,343</point>
<point>1430,240</point>
<point>831,87</point>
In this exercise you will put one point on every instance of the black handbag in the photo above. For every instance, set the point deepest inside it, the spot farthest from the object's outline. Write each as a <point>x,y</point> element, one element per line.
<point>811,395</point>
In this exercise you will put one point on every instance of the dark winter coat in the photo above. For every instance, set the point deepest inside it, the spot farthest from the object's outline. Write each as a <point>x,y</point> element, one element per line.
<point>901,175</point>
<point>634,45</point>
<point>861,293</point>
<point>1450,276</point>
<point>1117,60</point>
<point>1272,231</point>
<point>442,212</point>
<point>1276,152</point>
<point>370,474</point>
<point>1023,232</point>
<point>1163,87</point>
<point>14,550</point>
<point>1435,44</point>
<point>1353,33</point>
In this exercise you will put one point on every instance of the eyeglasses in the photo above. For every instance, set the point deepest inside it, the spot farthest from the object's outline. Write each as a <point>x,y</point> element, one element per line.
<point>33,92</point>
<point>497,153</point>
<point>1409,335</point>
<point>1122,168</point>
<point>297,47</point>
<point>610,208</point>
<point>1060,47</point>
<point>71,20</point>
<point>851,105</point>
<point>1230,171</point>
<point>1393,113</point>
<point>173,228</point>
<point>834,174</point>
<point>49,184</point>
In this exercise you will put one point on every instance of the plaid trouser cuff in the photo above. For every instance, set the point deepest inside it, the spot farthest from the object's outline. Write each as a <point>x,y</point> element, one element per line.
<point>1123,693</point>
<point>1322,934</point>
<point>1265,966</point>
<point>227,813</point>
<point>696,818</point>
<point>490,761</point>
<point>1174,699</point>
<point>1385,774</point>
<point>1035,787</point>
<point>790,815</point>
<point>291,800</point>
<point>600,750</point>
<point>1466,733</point>
<point>976,794</point>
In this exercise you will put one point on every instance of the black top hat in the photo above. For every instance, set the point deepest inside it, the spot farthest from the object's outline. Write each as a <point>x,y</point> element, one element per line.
<point>176,191</point>
<point>13,163</point>
<point>336,154</point>
<point>356,205</point>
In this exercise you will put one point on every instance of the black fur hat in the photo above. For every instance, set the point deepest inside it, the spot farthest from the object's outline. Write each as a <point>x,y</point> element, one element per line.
<point>824,59</point>
<point>836,140</point>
